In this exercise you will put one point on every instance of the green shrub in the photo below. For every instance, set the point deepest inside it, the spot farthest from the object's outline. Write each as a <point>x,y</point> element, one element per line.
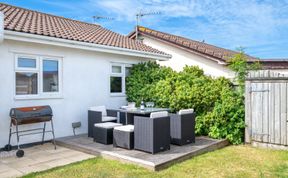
<point>219,108</point>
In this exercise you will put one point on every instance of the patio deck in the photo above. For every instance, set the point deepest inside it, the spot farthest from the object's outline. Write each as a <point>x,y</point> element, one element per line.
<point>153,162</point>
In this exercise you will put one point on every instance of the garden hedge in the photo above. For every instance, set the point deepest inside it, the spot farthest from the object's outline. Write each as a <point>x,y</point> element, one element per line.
<point>219,106</point>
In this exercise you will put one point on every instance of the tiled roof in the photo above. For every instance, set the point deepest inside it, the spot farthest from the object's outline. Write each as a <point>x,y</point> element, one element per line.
<point>33,22</point>
<point>273,63</point>
<point>188,44</point>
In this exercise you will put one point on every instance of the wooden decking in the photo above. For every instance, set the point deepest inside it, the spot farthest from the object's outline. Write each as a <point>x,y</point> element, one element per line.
<point>154,162</point>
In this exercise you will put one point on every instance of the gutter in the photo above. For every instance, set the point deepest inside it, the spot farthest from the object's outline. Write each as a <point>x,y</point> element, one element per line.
<point>26,37</point>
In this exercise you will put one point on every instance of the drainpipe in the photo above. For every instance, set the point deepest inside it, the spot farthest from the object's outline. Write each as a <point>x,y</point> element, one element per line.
<point>1,27</point>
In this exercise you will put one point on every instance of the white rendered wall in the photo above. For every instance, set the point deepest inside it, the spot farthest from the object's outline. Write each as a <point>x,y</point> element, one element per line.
<point>180,58</point>
<point>85,84</point>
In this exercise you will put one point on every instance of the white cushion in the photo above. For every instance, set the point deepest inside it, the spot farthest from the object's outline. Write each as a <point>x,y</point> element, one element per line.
<point>159,114</point>
<point>125,128</point>
<point>108,118</point>
<point>186,111</point>
<point>101,109</point>
<point>131,104</point>
<point>107,125</point>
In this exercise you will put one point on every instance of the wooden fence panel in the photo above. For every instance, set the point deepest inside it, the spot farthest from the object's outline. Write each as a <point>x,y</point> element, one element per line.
<point>283,114</point>
<point>265,117</point>
<point>277,114</point>
<point>271,113</point>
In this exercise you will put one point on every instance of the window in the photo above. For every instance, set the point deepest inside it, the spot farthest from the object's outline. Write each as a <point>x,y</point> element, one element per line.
<point>116,84</point>
<point>26,83</point>
<point>37,76</point>
<point>26,63</point>
<point>119,74</point>
<point>50,76</point>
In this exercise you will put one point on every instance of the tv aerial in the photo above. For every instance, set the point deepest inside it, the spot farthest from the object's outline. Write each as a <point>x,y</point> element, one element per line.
<point>140,15</point>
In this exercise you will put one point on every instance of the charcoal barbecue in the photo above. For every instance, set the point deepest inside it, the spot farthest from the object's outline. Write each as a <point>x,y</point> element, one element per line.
<point>29,115</point>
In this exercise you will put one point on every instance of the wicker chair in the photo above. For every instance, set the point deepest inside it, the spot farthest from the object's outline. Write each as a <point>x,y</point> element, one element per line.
<point>183,127</point>
<point>152,134</point>
<point>99,114</point>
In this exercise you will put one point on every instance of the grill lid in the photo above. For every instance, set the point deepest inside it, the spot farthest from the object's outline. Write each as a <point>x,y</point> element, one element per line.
<point>30,112</point>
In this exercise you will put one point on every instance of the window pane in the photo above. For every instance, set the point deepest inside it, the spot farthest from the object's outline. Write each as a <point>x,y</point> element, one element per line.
<point>127,71</point>
<point>116,69</point>
<point>116,84</point>
<point>26,83</point>
<point>50,76</point>
<point>26,62</point>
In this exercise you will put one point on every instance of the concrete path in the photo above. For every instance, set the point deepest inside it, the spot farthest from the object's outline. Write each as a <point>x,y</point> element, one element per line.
<point>38,158</point>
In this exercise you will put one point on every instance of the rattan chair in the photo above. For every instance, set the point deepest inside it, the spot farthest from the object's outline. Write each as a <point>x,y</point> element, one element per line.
<point>183,127</point>
<point>99,114</point>
<point>152,134</point>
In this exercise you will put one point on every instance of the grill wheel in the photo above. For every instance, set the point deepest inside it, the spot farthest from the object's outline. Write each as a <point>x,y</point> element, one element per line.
<point>20,153</point>
<point>8,147</point>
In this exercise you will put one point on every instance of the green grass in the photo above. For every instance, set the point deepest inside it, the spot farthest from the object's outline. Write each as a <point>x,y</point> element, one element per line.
<point>232,161</point>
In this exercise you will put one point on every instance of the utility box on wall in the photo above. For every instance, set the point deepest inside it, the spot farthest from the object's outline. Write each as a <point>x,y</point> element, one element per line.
<point>266,107</point>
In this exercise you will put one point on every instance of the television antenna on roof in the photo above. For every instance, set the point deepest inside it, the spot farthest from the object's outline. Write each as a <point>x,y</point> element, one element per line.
<point>141,14</point>
<point>96,17</point>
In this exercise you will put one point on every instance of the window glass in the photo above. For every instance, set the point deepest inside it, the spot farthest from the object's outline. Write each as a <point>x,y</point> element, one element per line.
<point>26,83</point>
<point>116,84</point>
<point>50,76</point>
<point>116,69</point>
<point>26,62</point>
<point>127,71</point>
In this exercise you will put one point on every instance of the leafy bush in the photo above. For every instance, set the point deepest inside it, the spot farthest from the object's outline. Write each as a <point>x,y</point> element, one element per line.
<point>219,108</point>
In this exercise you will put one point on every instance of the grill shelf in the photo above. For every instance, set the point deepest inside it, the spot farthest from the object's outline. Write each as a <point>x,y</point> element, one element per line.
<point>29,115</point>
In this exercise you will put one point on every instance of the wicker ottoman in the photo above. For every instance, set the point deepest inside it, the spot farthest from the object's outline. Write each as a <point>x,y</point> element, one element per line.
<point>123,136</point>
<point>103,132</point>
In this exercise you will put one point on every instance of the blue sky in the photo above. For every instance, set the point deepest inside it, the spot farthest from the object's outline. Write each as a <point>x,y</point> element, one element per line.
<point>260,26</point>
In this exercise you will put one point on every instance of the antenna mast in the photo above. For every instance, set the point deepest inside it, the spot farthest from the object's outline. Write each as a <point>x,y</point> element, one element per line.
<point>139,15</point>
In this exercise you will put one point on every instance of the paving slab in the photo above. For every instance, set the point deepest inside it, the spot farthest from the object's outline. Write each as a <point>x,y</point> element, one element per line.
<point>151,161</point>
<point>38,158</point>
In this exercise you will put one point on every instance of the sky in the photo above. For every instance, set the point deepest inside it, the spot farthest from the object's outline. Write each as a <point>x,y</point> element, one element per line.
<point>258,26</point>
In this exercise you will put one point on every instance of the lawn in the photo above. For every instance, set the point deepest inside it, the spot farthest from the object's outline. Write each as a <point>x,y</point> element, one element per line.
<point>232,161</point>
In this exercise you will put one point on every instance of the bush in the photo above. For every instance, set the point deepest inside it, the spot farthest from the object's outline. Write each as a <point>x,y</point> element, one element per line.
<point>219,108</point>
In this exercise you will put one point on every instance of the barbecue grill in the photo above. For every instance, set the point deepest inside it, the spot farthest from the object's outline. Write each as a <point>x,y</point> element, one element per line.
<point>29,115</point>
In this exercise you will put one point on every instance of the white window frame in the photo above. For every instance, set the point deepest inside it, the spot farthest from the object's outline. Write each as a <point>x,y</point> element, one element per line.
<point>122,75</point>
<point>39,70</point>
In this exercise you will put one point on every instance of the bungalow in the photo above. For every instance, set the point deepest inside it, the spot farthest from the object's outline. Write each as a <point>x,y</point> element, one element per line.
<point>184,51</point>
<point>67,64</point>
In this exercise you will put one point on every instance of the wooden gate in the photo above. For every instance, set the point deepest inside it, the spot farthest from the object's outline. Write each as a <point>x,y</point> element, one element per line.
<point>266,107</point>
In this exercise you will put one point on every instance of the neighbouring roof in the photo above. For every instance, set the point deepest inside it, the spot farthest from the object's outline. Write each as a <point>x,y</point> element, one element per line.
<point>273,63</point>
<point>205,49</point>
<point>188,44</point>
<point>33,22</point>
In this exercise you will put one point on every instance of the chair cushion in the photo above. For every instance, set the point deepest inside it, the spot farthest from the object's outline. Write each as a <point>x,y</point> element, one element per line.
<point>101,109</point>
<point>186,111</point>
<point>125,128</point>
<point>108,118</point>
<point>158,114</point>
<point>107,125</point>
